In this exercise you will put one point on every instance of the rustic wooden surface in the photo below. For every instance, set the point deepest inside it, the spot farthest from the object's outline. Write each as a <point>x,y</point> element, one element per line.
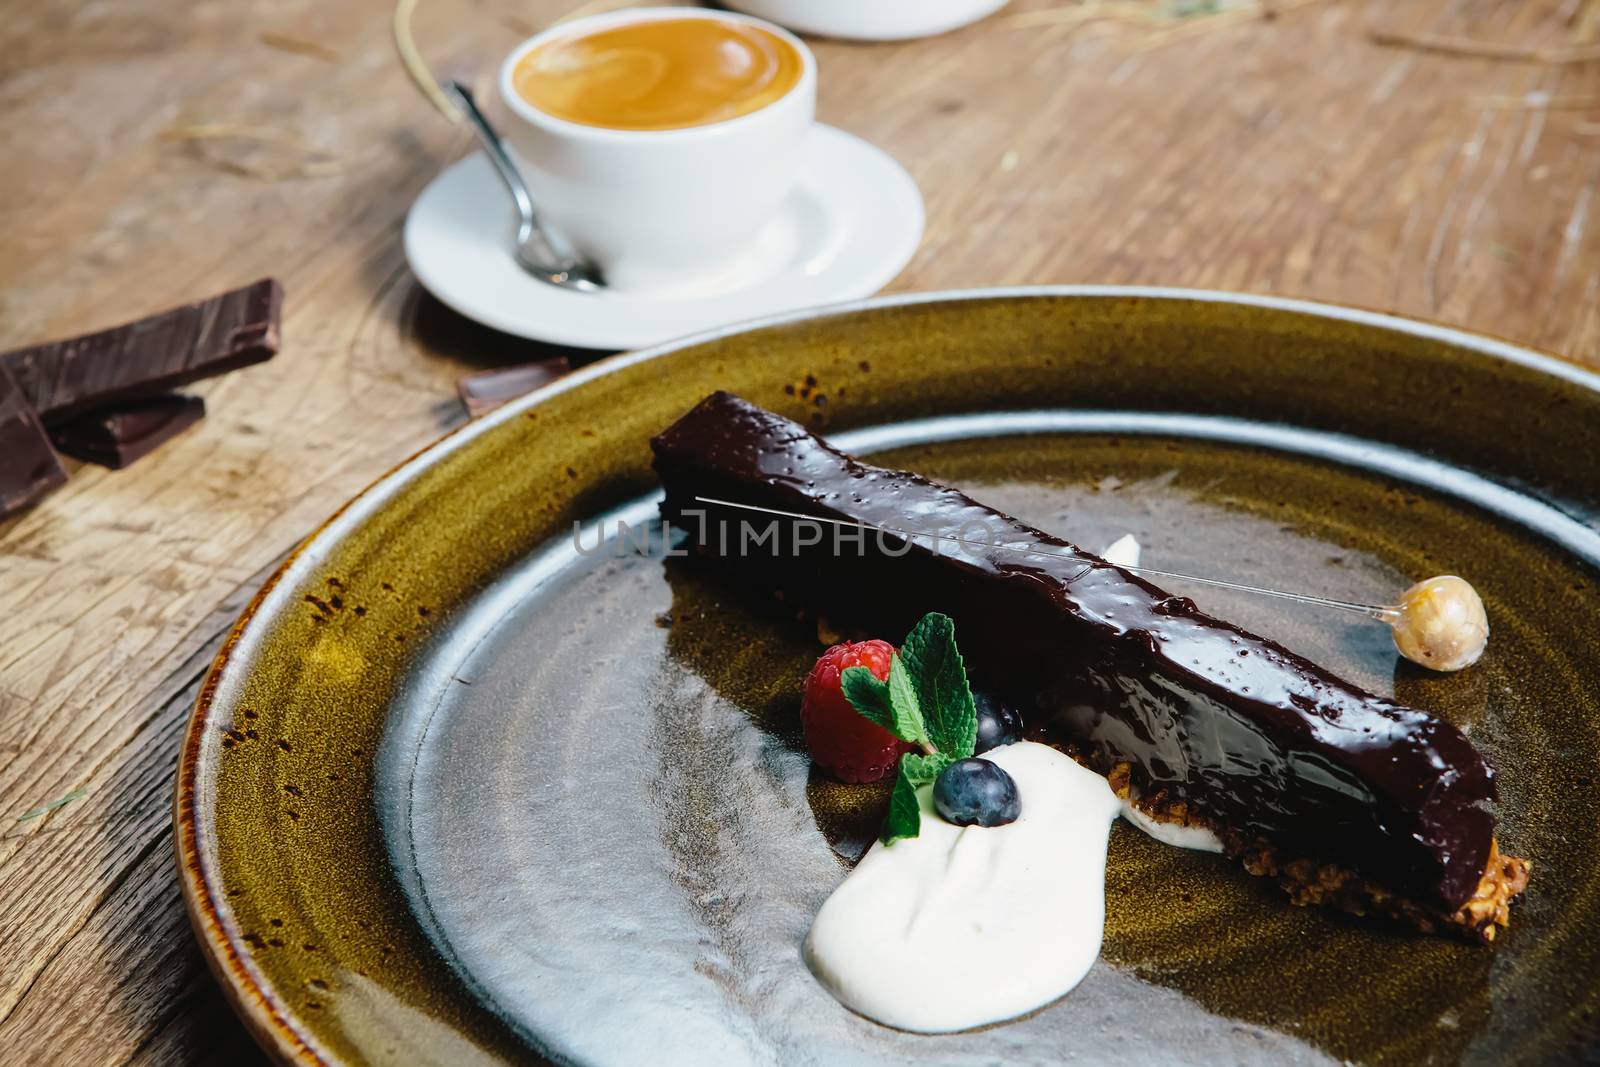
<point>1290,156</point>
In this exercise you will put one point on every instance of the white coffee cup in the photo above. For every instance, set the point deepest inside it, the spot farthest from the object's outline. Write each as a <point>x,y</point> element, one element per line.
<point>657,209</point>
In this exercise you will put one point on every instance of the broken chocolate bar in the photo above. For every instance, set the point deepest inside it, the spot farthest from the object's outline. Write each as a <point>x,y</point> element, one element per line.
<point>100,395</point>
<point>144,358</point>
<point>28,465</point>
<point>115,437</point>
<point>487,390</point>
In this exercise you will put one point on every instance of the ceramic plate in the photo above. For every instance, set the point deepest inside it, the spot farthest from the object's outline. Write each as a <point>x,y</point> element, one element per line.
<point>457,792</point>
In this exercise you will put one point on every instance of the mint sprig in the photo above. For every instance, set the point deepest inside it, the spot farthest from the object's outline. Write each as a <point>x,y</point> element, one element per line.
<point>926,702</point>
<point>905,812</point>
<point>868,696</point>
<point>892,704</point>
<point>931,657</point>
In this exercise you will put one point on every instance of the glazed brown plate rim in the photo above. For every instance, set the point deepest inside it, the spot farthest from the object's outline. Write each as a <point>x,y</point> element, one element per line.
<point>264,1011</point>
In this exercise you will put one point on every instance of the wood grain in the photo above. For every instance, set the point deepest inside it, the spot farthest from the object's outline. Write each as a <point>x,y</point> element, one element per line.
<point>1293,155</point>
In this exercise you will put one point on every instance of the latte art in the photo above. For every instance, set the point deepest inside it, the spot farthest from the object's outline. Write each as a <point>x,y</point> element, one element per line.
<point>659,74</point>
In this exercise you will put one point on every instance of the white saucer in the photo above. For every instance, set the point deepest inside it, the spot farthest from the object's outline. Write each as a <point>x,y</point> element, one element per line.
<point>852,223</point>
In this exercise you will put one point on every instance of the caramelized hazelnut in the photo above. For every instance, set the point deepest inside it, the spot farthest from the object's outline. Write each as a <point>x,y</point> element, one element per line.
<point>1441,624</point>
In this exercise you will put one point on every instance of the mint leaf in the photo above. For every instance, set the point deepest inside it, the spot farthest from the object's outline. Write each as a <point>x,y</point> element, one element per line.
<point>891,705</point>
<point>908,715</point>
<point>905,812</point>
<point>869,697</point>
<point>940,682</point>
<point>924,769</point>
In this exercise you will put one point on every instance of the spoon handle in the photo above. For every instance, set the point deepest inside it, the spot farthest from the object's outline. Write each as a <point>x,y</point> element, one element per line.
<point>556,251</point>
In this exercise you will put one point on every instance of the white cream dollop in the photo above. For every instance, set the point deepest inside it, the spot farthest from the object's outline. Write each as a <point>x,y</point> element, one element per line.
<point>965,926</point>
<point>1194,838</point>
<point>961,927</point>
<point>1123,552</point>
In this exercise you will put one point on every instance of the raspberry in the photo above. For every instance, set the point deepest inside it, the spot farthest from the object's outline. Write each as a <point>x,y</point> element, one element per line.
<point>842,742</point>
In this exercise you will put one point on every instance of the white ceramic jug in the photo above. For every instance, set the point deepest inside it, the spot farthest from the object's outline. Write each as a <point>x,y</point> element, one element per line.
<point>870,20</point>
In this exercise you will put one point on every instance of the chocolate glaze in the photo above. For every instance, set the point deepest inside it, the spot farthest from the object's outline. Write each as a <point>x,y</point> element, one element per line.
<point>1243,729</point>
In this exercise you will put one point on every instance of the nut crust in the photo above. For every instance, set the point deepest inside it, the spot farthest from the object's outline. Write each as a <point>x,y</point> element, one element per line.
<point>1311,883</point>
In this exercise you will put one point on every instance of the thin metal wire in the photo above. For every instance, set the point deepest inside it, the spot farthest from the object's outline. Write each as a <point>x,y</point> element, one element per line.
<point>1381,612</point>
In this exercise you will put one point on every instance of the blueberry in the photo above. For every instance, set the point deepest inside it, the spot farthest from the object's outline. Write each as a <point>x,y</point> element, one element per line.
<point>998,723</point>
<point>975,792</point>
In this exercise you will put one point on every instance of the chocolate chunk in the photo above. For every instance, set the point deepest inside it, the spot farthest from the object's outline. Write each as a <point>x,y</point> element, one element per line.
<point>484,392</point>
<point>65,378</point>
<point>115,437</point>
<point>29,467</point>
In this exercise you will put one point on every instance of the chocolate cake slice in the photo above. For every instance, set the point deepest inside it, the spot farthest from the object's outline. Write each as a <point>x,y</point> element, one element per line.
<point>1347,798</point>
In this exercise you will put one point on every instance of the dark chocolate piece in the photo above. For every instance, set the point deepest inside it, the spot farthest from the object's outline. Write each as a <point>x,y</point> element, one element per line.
<point>487,390</point>
<point>65,378</point>
<point>29,467</point>
<point>115,437</point>
<point>1245,731</point>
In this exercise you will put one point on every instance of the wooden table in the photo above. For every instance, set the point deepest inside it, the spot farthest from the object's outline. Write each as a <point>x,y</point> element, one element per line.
<point>1291,155</point>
